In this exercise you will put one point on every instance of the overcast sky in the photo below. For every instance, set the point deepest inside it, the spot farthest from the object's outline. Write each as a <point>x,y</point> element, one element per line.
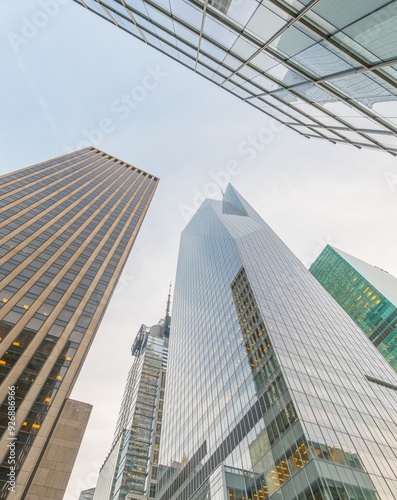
<point>66,80</point>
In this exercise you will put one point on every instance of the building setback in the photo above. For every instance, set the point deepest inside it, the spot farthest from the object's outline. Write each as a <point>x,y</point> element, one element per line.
<point>67,226</point>
<point>130,470</point>
<point>56,463</point>
<point>324,68</point>
<point>272,391</point>
<point>367,293</point>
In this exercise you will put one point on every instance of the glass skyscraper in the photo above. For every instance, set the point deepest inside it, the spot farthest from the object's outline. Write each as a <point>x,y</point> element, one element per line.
<point>130,470</point>
<point>325,68</point>
<point>272,390</point>
<point>368,294</point>
<point>67,226</point>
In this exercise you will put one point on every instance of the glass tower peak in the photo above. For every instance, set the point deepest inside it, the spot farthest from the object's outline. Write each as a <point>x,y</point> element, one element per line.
<point>272,390</point>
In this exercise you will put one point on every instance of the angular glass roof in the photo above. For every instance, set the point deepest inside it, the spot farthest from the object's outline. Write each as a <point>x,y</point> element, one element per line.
<point>325,68</point>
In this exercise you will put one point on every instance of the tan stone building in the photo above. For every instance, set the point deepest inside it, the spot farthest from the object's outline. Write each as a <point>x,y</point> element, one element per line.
<point>67,226</point>
<point>58,457</point>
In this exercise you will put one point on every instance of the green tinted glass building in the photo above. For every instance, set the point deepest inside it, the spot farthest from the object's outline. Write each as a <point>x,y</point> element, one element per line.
<point>368,294</point>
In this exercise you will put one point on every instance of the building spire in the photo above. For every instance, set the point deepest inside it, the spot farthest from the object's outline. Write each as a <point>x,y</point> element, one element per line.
<point>167,319</point>
<point>167,311</point>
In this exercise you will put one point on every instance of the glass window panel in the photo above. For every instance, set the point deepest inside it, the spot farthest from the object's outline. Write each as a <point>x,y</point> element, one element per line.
<point>137,5</point>
<point>265,23</point>
<point>252,88</point>
<point>231,62</point>
<point>241,12</point>
<point>187,12</point>
<point>248,72</point>
<point>186,34</point>
<point>208,61</point>
<point>161,19</point>
<point>217,79</point>
<point>260,104</point>
<point>34,324</point>
<point>237,80</point>
<point>240,92</point>
<point>377,32</point>
<point>389,71</point>
<point>279,72</point>
<point>167,37</point>
<point>219,33</point>
<point>308,109</point>
<point>263,62</point>
<point>229,85</point>
<point>187,48</point>
<point>211,49</point>
<point>321,61</point>
<point>204,71</point>
<point>144,24</point>
<point>76,336</point>
<point>116,6</point>
<point>173,52</point>
<point>164,3</point>
<point>243,48</point>
<point>56,330</point>
<point>12,317</point>
<point>342,110</point>
<point>265,83</point>
<point>364,89</point>
<point>314,93</point>
<point>153,41</point>
<point>341,13</point>
<point>187,60</point>
<point>92,4</point>
<point>293,41</point>
<point>128,25</point>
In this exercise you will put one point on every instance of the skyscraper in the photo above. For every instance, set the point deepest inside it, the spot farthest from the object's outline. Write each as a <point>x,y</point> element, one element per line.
<point>130,470</point>
<point>272,390</point>
<point>324,68</point>
<point>367,293</point>
<point>67,226</point>
<point>56,462</point>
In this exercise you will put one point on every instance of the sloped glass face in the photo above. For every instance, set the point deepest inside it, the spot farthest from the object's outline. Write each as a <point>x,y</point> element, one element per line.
<point>325,68</point>
<point>268,378</point>
<point>275,466</point>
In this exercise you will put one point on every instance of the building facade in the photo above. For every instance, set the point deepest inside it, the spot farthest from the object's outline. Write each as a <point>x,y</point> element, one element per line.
<point>130,470</point>
<point>67,226</point>
<point>324,68</point>
<point>368,294</point>
<point>272,390</point>
<point>56,463</point>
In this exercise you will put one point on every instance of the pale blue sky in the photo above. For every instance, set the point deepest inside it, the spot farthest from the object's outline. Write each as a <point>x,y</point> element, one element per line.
<point>59,85</point>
